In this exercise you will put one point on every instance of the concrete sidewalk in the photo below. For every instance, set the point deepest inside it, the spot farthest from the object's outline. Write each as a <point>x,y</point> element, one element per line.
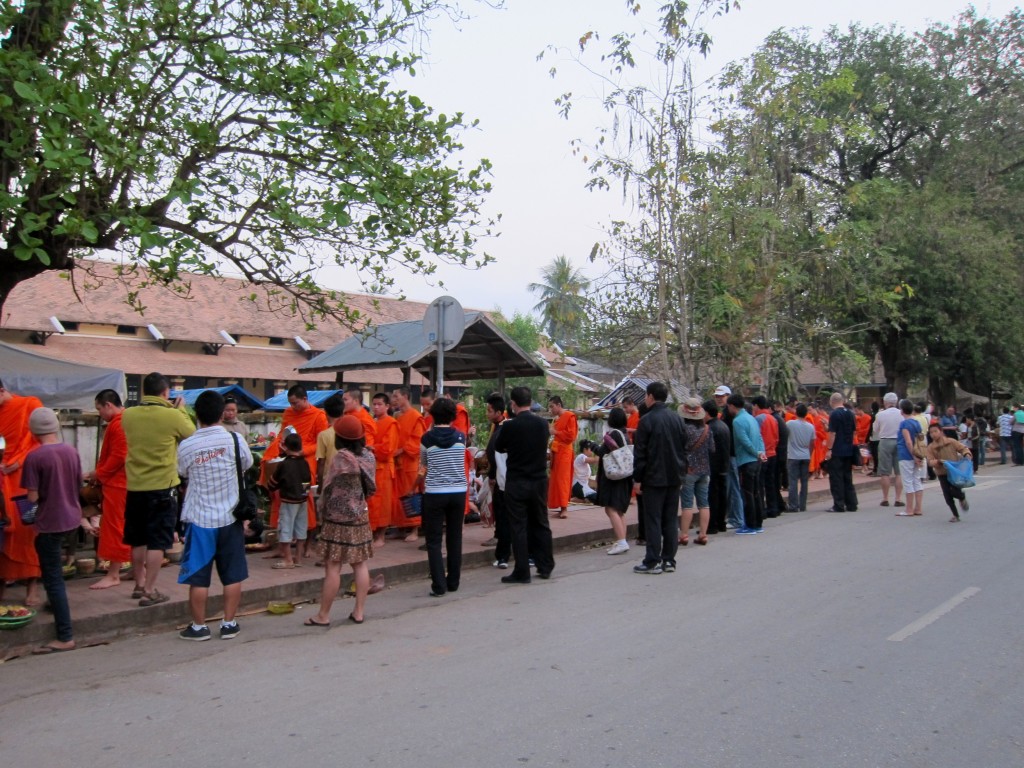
<point>100,616</point>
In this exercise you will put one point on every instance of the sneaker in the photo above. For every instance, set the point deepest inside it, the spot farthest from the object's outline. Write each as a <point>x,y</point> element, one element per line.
<point>195,633</point>
<point>965,506</point>
<point>228,631</point>
<point>742,531</point>
<point>618,548</point>
<point>668,568</point>
<point>756,530</point>
<point>653,570</point>
<point>502,564</point>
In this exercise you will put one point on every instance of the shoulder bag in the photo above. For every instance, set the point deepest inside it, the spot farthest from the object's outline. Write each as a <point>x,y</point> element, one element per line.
<point>247,504</point>
<point>618,464</point>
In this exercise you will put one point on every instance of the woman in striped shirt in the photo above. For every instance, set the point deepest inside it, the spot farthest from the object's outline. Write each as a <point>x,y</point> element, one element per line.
<point>443,472</point>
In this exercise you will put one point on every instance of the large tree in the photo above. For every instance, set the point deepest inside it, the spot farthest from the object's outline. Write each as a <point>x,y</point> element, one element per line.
<point>914,148</point>
<point>264,137</point>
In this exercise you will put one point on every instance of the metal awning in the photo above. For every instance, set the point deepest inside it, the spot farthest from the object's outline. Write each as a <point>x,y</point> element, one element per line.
<point>485,352</point>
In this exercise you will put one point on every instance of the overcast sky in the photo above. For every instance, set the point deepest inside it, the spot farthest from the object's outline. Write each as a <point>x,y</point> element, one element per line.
<point>487,68</point>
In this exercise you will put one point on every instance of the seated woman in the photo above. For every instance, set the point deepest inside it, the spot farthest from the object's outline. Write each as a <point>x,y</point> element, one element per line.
<point>581,465</point>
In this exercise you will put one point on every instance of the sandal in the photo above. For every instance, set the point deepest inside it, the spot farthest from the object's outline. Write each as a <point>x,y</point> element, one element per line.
<point>311,622</point>
<point>153,598</point>
<point>684,539</point>
<point>283,566</point>
<point>702,540</point>
<point>137,592</point>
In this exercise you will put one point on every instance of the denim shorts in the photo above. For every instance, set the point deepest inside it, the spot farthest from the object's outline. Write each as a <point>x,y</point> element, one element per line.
<point>292,522</point>
<point>694,485</point>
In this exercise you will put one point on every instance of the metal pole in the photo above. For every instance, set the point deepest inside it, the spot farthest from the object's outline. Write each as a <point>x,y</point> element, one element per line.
<point>440,347</point>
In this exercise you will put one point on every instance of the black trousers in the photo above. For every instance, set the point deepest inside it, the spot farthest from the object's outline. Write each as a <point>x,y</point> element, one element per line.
<point>718,501</point>
<point>502,530</point>
<point>661,517</point>
<point>770,484</point>
<point>443,514</point>
<point>840,483</point>
<point>753,510</point>
<point>950,493</point>
<point>526,502</point>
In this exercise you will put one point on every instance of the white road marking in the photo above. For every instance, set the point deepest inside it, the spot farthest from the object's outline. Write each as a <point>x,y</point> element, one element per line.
<point>933,615</point>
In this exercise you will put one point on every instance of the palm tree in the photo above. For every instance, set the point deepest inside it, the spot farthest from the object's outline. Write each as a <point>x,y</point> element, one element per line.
<point>562,305</point>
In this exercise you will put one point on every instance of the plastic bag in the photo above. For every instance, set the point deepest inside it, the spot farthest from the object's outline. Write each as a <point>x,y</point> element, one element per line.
<point>960,473</point>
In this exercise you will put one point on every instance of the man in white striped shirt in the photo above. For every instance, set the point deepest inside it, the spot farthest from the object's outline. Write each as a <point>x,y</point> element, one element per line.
<point>206,461</point>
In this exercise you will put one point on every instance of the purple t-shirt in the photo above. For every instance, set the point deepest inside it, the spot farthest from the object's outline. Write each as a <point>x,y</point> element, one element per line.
<point>54,471</point>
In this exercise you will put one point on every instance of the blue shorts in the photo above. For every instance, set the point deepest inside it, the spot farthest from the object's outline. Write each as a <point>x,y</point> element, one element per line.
<point>206,546</point>
<point>695,485</point>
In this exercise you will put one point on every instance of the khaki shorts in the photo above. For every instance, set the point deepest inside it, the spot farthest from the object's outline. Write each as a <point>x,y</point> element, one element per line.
<point>887,463</point>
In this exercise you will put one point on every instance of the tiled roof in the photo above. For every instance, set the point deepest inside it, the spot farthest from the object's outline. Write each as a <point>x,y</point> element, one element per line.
<point>209,305</point>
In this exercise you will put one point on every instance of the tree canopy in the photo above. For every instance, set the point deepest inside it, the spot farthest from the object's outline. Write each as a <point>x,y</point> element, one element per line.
<point>859,198</point>
<point>265,138</point>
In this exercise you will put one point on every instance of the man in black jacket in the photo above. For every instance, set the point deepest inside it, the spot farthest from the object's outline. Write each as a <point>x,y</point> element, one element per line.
<point>524,439</point>
<point>659,463</point>
<point>718,491</point>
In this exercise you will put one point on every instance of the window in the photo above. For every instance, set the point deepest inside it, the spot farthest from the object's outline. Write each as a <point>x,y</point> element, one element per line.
<point>126,330</point>
<point>276,341</point>
<point>69,325</point>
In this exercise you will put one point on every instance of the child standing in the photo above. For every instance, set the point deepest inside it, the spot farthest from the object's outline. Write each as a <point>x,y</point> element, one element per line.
<point>291,478</point>
<point>52,476</point>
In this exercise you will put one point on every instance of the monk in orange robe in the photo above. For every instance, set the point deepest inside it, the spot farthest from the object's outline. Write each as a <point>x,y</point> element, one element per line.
<point>407,456</point>
<point>563,431</point>
<point>632,417</point>
<point>384,447</point>
<point>820,423</point>
<point>114,484</point>
<point>308,421</point>
<point>18,561</point>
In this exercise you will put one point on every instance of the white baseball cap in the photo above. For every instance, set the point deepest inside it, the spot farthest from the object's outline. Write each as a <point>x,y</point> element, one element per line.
<point>722,390</point>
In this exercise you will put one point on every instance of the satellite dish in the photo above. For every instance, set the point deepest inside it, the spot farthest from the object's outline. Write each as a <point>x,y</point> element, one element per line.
<point>444,322</point>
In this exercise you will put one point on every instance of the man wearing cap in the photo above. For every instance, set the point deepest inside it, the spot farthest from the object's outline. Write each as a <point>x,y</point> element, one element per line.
<point>734,497</point>
<point>886,431</point>
<point>207,462</point>
<point>153,429</point>
<point>52,477</point>
<point>18,560</point>
<point>659,464</point>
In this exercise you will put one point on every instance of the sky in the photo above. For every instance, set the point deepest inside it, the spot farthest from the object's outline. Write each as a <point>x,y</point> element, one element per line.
<point>487,68</point>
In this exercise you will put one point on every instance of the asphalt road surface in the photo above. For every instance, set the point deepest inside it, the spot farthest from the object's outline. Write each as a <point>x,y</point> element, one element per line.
<point>857,639</point>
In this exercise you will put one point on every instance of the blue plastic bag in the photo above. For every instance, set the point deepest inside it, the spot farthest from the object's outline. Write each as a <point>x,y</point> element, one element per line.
<point>960,473</point>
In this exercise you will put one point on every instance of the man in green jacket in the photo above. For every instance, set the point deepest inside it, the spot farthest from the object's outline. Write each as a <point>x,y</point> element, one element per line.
<point>153,429</point>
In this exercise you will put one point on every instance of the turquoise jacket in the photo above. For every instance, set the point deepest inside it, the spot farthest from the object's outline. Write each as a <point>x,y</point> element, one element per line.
<point>746,438</point>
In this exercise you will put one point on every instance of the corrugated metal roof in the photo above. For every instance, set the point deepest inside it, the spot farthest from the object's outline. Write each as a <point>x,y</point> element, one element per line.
<point>485,352</point>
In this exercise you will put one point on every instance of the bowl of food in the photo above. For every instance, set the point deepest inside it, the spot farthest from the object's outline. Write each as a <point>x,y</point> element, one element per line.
<point>86,566</point>
<point>15,616</point>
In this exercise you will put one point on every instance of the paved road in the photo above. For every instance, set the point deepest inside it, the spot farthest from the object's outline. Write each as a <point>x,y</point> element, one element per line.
<point>831,640</point>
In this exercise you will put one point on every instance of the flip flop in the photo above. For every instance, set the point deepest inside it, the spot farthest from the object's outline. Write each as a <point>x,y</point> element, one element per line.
<point>311,622</point>
<point>46,650</point>
<point>904,514</point>
<point>283,566</point>
<point>354,620</point>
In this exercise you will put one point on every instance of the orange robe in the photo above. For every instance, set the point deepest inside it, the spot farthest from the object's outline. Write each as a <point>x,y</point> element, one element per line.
<point>407,463</point>
<point>863,428</point>
<point>110,473</point>
<point>820,442</point>
<point>462,424</point>
<point>560,481</point>
<point>384,448</point>
<point>18,559</point>
<point>632,422</point>
<point>310,423</point>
